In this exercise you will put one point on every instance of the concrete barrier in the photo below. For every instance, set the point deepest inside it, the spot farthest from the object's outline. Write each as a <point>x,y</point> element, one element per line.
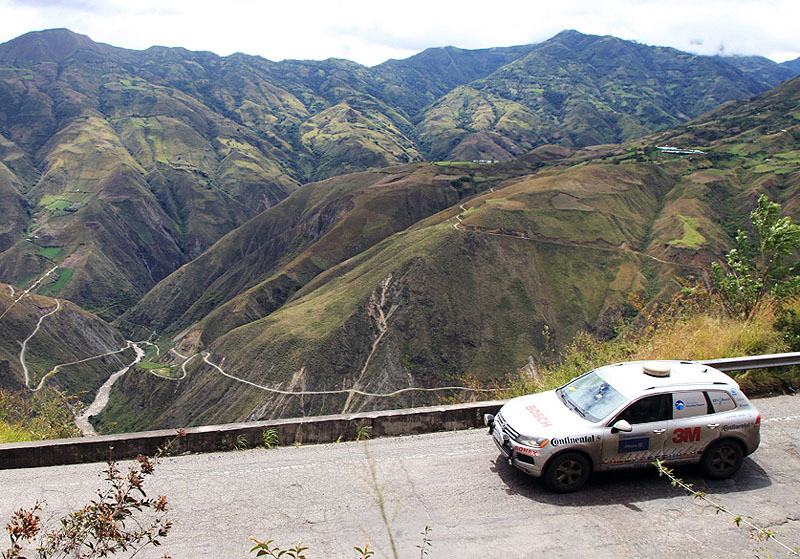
<point>211,438</point>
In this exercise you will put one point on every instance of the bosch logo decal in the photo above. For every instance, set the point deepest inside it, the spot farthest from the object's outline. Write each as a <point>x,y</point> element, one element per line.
<point>539,416</point>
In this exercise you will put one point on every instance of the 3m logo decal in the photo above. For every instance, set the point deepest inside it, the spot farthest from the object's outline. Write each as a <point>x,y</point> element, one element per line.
<point>686,435</point>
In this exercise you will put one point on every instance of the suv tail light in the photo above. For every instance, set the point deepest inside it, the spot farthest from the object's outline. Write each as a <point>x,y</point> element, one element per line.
<point>758,421</point>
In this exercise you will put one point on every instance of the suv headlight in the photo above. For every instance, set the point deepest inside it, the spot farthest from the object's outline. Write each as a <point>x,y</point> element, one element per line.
<point>535,442</point>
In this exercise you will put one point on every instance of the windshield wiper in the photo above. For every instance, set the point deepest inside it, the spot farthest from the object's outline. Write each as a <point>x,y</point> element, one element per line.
<point>571,405</point>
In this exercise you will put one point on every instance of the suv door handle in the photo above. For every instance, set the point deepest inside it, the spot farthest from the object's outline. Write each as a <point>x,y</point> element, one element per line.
<point>712,425</point>
<point>659,431</point>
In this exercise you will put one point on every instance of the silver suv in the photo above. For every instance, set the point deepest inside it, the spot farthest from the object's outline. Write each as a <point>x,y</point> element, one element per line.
<point>626,416</point>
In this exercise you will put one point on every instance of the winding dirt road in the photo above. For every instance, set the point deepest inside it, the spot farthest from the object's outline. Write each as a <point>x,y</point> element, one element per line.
<point>25,347</point>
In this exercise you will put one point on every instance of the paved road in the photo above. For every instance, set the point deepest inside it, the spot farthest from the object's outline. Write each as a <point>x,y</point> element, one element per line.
<point>454,482</point>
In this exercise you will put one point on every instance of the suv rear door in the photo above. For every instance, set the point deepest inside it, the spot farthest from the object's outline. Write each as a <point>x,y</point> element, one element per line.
<point>691,429</point>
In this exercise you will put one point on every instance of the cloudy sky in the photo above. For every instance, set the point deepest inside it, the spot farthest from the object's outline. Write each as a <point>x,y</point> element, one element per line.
<point>372,31</point>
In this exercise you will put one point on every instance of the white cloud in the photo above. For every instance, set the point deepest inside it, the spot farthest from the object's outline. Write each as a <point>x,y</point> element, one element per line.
<point>370,32</point>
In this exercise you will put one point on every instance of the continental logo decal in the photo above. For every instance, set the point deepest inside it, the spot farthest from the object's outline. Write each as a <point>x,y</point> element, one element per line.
<point>573,440</point>
<point>737,426</point>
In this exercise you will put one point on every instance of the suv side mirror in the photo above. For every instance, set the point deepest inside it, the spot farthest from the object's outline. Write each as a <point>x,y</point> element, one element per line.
<point>621,425</point>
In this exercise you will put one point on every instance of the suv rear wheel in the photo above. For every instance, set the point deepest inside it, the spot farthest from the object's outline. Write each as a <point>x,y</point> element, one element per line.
<point>567,472</point>
<point>722,459</point>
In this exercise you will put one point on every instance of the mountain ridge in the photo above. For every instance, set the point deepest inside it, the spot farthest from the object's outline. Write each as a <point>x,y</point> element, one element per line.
<point>275,223</point>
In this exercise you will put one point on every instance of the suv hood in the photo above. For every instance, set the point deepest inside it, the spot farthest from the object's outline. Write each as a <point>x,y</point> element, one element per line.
<point>543,415</point>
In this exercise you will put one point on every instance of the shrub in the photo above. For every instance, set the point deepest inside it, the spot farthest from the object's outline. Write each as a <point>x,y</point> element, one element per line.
<point>45,414</point>
<point>757,272</point>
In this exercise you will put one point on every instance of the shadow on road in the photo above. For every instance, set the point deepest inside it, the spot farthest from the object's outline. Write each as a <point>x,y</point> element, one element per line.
<point>627,487</point>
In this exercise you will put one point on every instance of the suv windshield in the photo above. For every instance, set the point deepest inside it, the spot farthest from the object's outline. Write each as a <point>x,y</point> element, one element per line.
<point>590,396</point>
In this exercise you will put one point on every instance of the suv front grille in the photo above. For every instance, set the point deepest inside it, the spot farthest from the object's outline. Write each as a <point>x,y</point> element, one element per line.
<point>506,428</point>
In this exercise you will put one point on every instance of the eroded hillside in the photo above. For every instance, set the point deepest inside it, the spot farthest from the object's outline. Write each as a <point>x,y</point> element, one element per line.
<point>120,166</point>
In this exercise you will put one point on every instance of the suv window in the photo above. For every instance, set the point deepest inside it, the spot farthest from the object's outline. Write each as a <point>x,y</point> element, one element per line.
<point>646,410</point>
<point>689,404</point>
<point>720,401</point>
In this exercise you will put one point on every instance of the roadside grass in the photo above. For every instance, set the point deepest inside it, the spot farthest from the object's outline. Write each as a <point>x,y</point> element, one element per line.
<point>29,417</point>
<point>13,434</point>
<point>692,334</point>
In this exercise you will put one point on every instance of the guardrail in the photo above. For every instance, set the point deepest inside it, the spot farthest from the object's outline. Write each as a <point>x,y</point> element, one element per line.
<point>307,430</point>
<point>728,364</point>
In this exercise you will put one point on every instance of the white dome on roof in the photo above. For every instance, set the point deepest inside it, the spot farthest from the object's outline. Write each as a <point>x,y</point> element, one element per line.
<point>656,368</point>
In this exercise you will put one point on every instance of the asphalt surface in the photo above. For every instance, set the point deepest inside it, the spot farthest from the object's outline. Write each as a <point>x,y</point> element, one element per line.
<point>456,483</point>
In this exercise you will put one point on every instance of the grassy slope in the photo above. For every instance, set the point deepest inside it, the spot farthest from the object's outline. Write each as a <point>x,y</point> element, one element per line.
<point>500,293</point>
<point>562,247</point>
<point>254,270</point>
<point>69,335</point>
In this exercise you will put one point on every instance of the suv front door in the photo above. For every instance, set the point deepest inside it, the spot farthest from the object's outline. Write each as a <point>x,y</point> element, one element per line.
<point>649,418</point>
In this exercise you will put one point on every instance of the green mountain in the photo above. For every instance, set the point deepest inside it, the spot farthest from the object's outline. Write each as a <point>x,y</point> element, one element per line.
<point>256,268</point>
<point>415,82</point>
<point>793,65</point>
<point>429,306</point>
<point>272,228</point>
<point>538,253</point>
<point>580,90</point>
<point>123,165</point>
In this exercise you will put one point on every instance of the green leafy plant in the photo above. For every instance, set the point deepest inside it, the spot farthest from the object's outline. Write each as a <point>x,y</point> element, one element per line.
<point>241,443</point>
<point>759,271</point>
<point>364,552</point>
<point>270,438</point>
<point>109,524</point>
<point>121,518</point>
<point>759,534</point>
<point>363,433</point>
<point>269,549</point>
<point>45,414</point>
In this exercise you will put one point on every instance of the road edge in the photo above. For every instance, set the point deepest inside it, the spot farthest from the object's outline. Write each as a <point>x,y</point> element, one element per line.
<point>235,436</point>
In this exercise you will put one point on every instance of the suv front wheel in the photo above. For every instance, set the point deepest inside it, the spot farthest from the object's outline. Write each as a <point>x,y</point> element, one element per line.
<point>566,472</point>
